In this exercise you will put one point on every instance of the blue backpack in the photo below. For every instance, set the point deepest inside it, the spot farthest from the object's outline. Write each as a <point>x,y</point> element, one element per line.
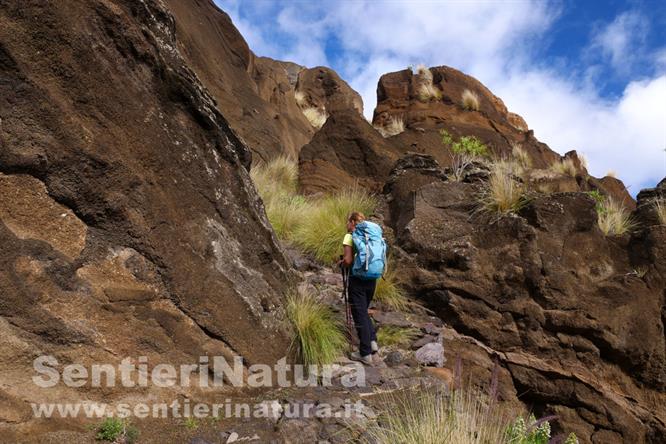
<point>370,248</point>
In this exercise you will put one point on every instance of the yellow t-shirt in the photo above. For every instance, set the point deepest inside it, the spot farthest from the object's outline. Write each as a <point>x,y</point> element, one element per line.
<point>348,240</point>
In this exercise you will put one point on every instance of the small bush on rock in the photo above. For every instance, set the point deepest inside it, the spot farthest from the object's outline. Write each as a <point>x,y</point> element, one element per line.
<point>116,430</point>
<point>463,152</point>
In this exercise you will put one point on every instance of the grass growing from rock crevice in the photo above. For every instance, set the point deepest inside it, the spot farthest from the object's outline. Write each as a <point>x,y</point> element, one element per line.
<point>470,100</point>
<point>614,219</point>
<point>116,430</point>
<point>318,337</point>
<point>565,167</point>
<point>504,194</point>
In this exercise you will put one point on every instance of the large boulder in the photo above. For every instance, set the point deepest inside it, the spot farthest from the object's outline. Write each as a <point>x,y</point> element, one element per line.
<point>128,221</point>
<point>345,152</point>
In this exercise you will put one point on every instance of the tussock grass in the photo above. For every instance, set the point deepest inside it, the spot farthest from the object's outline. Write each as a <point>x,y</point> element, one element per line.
<point>276,183</point>
<point>614,219</point>
<point>521,156</point>
<point>394,127</point>
<point>316,225</point>
<point>324,226</point>
<point>462,417</point>
<point>318,337</point>
<point>611,173</point>
<point>565,167</point>
<point>660,207</point>
<point>470,100</point>
<point>426,90</point>
<point>389,292</point>
<point>503,194</point>
<point>392,335</point>
<point>315,116</point>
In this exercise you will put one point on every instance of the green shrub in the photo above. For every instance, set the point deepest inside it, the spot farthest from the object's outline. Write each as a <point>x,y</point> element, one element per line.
<point>191,423</point>
<point>116,429</point>
<point>318,338</point>
<point>392,335</point>
<point>463,152</point>
<point>324,226</point>
<point>613,218</point>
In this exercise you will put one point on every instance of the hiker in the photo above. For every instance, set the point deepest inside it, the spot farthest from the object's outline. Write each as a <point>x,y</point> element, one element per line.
<point>365,252</point>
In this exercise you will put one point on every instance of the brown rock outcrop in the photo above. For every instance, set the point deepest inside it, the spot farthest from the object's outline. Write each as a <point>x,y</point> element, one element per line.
<point>576,317</point>
<point>128,221</point>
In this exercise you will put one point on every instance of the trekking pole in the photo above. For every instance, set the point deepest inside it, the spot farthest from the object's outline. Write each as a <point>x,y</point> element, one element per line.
<point>345,293</point>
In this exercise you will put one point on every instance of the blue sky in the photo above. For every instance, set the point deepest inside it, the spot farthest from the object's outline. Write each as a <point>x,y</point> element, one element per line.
<point>588,75</point>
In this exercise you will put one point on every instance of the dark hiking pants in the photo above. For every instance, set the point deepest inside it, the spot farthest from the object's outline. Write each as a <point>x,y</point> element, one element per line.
<point>361,292</point>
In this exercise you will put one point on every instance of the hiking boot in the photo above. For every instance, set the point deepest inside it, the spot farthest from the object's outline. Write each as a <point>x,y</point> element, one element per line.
<point>356,356</point>
<point>374,347</point>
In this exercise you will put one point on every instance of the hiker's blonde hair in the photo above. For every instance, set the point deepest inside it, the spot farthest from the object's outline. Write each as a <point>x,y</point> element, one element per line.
<point>356,217</point>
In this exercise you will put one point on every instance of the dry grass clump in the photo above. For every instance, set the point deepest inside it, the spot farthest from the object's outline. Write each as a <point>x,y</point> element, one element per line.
<point>388,290</point>
<point>614,219</point>
<point>521,157</point>
<point>660,207</point>
<point>611,173</point>
<point>426,90</point>
<point>470,100</point>
<point>394,127</point>
<point>503,194</point>
<point>565,167</point>
<point>315,116</point>
<point>317,337</point>
<point>392,335</point>
<point>461,417</point>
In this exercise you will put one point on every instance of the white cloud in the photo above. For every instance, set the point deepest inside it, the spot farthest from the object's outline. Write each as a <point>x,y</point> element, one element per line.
<point>622,40</point>
<point>498,43</point>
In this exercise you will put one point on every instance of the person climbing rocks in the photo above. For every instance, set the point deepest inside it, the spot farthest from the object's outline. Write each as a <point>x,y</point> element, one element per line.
<point>364,251</point>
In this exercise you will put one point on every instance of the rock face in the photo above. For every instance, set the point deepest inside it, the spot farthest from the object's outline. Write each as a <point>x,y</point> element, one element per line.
<point>576,318</point>
<point>399,97</point>
<point>347,150</point>
<point>128,221</point>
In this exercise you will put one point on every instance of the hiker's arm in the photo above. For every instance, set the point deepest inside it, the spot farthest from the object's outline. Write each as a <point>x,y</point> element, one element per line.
<point>348,256</point>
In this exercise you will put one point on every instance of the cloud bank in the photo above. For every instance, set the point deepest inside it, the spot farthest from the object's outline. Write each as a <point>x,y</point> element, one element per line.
<point>503,45</point>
